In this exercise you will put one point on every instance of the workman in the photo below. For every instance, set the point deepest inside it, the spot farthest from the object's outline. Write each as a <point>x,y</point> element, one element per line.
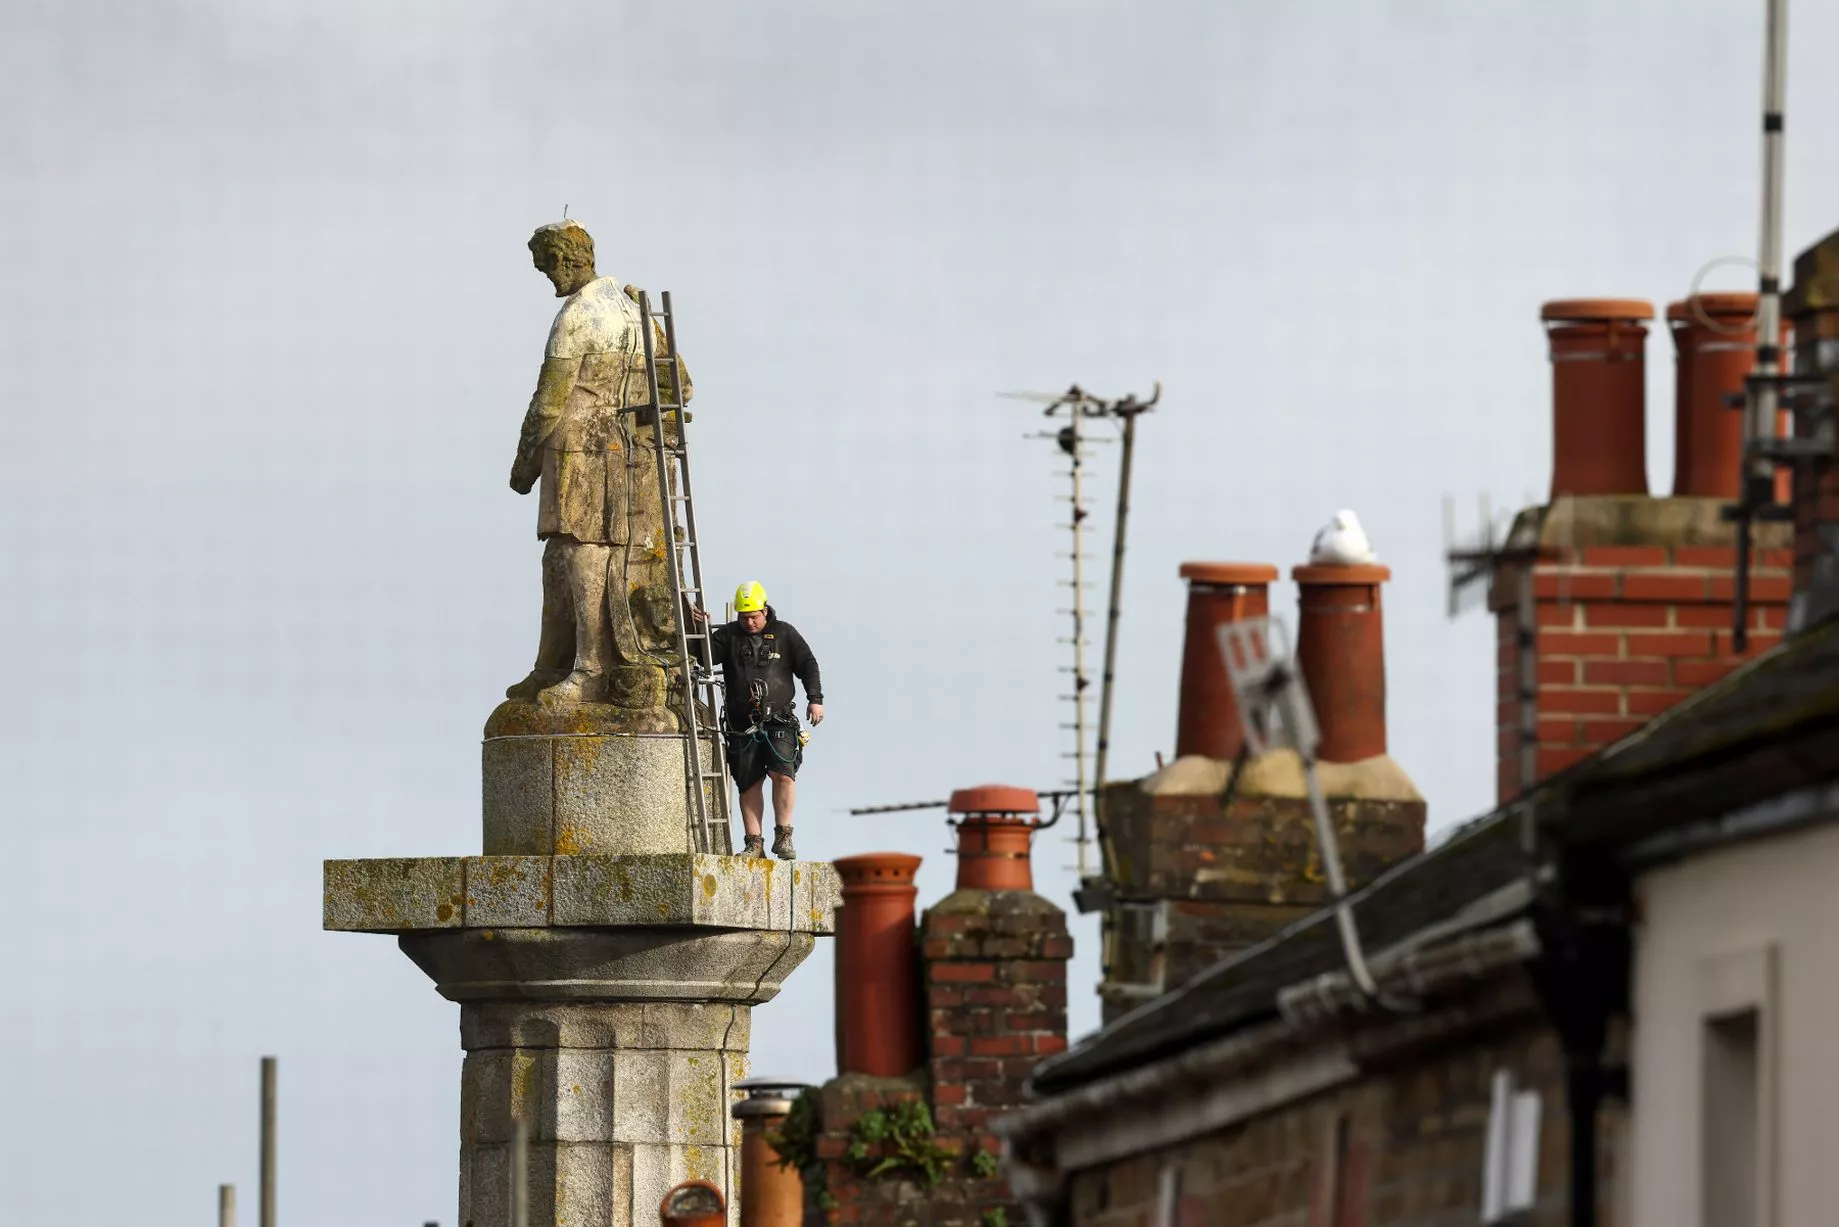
<point>759,656</point>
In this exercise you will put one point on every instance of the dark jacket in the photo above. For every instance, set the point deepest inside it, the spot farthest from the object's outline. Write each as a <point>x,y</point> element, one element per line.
<point>776,655</point>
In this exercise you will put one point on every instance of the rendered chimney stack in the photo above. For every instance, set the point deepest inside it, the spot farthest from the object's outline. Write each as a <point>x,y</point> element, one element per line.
<point>997,826</point>
<point>1340,648</point>
<point>771,1195</point>
<point>877,966</point>
<point>1599,394</point>
<point>1218,593</point>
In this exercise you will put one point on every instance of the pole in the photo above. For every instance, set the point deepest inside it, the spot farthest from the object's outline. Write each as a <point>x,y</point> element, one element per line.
<point>267,1209</point>
<point>1759,471</point>
<point>1111,620</point>
<point>520,1174</point>
<point>1769,262</point>
<point>226,1205</point>
<point>1526,640</point>
<point>1351,948</point>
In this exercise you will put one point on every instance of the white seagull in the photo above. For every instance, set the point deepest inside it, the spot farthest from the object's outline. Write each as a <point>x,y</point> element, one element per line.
<point>1343,543</point>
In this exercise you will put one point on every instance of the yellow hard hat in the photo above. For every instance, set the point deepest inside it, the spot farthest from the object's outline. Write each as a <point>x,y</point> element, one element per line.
<point>749,598</point>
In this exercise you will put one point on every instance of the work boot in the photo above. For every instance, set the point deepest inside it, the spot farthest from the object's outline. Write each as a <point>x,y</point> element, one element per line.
<point>782,844</point>
<point>754,846</point>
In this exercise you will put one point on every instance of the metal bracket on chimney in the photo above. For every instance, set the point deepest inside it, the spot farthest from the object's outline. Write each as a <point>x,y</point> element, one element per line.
<point>1274,711</point>
<point>1762,454</point>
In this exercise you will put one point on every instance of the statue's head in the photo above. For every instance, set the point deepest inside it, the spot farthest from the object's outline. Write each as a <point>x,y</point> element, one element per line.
<point>563,252</point>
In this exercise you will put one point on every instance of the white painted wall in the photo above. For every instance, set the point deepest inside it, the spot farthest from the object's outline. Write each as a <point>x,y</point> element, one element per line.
<point>1760,919</point>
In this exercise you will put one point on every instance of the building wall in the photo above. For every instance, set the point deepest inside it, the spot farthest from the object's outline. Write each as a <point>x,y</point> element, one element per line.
<point>1759,919</point>
<point>1403,1147</point>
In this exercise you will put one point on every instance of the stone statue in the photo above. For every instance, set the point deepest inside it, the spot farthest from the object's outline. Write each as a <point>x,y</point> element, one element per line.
<point>607,630</point>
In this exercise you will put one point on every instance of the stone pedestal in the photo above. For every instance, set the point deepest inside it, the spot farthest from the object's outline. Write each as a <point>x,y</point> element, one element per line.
<point>567,779</point>
<point>605,999</point>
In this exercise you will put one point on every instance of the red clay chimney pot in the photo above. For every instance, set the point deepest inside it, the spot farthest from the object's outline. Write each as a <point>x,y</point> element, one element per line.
<point>1340,648</point>
<point>994,799</point>
<point>1589,310</point>
<point>1207,721</point>
<point>1599,394</point>
<point>694,1203</point>
<point>1229,573</point>
<point>1720,349</point>
<point>878,965</point>
<point>994,837</point>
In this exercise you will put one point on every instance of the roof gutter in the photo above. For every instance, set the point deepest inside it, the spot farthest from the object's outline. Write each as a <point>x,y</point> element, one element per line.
<point>1785,812</point>
<point>1419,971</point>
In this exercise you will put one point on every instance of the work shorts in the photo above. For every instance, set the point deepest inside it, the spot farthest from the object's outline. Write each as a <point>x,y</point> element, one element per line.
<point>775,747</point>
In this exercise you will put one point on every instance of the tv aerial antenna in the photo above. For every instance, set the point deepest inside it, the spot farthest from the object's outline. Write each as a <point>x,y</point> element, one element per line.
<point>1081,410</point>
<point>1056,798</point>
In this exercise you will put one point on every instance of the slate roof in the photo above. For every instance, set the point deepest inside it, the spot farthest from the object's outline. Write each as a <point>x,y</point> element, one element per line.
<point>1767,728</point>
<point>1770,728</point>
<point>1472,863</point>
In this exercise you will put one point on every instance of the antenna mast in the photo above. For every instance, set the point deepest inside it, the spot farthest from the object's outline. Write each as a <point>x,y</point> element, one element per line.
<point>1074,444</point>
<point>1126,411</point>
<point>1073,439</point>
<point>1763,389</point>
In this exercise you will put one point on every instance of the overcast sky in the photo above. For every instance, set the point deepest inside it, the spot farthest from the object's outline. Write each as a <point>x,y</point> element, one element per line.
<point>269,328</point>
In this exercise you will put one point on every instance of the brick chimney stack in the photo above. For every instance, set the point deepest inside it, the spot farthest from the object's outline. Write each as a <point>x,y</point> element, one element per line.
<point>1195,878</point>
<point>995,955</point>
<point>984,991</point>
<point>1633,595</point>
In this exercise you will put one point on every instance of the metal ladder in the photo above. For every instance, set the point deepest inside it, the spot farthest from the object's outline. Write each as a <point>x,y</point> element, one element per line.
<point>706,779</point>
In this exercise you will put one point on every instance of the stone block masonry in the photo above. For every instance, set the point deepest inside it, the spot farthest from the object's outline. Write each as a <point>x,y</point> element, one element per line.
<point>605,1001</point>
<point>622,1101</point>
